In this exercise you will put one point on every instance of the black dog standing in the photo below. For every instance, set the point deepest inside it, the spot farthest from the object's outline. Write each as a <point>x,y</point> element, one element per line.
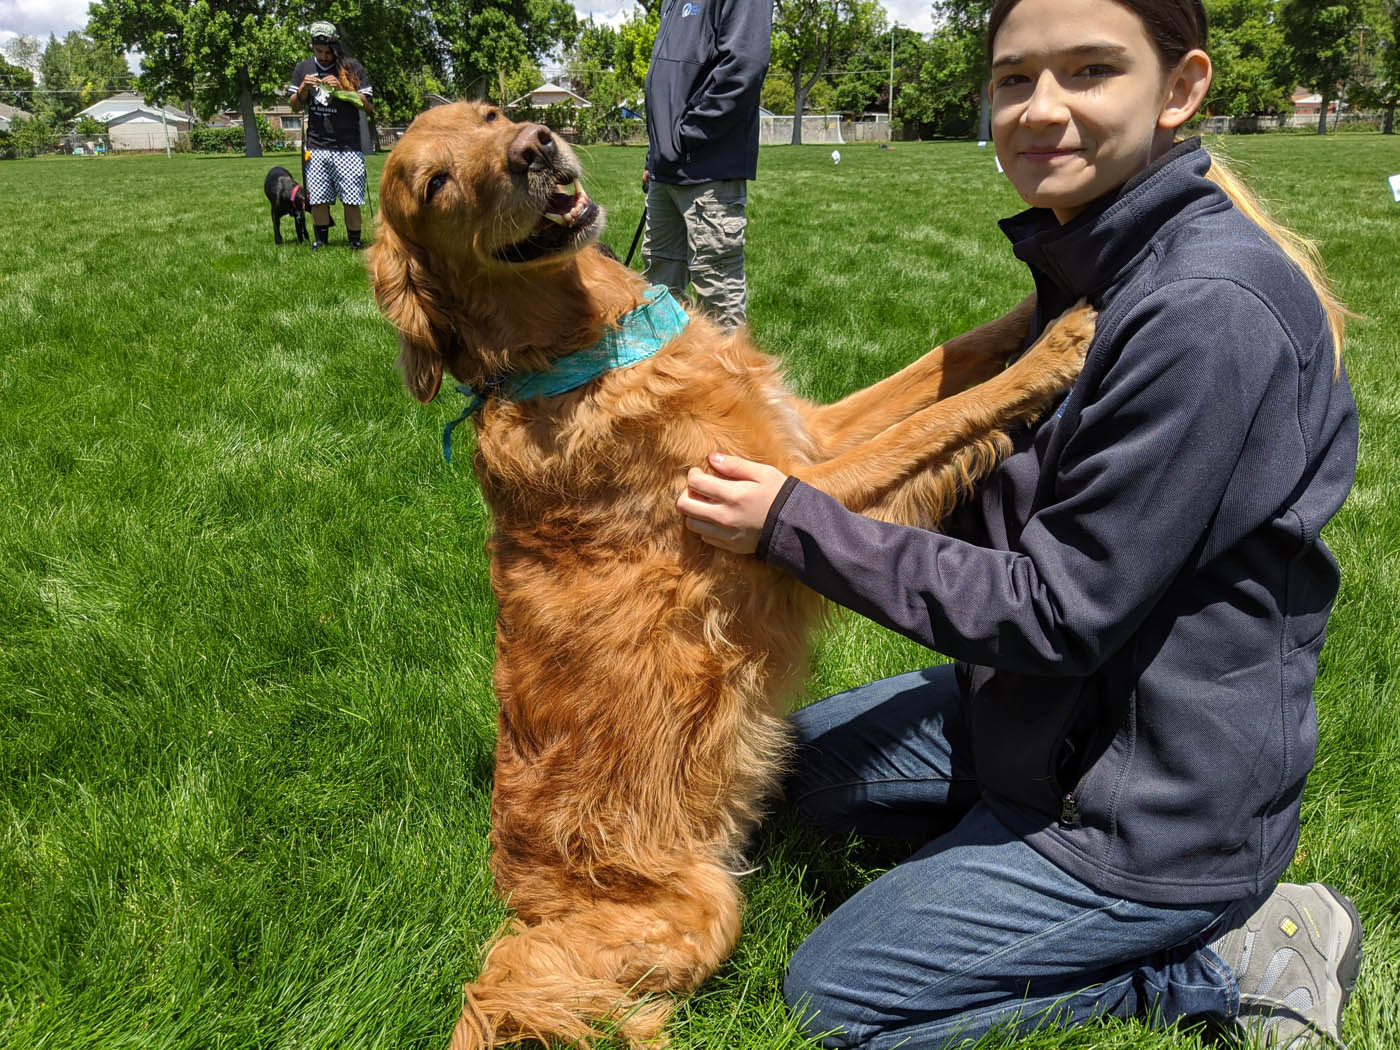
<point>286,198</point>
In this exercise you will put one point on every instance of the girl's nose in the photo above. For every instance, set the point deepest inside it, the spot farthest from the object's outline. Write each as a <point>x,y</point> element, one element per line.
<point>1047,102</point>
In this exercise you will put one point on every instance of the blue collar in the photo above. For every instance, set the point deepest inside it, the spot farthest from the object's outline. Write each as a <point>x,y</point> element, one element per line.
<point>638,335</point>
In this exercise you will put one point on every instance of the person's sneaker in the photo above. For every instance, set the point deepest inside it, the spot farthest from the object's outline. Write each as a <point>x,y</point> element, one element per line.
<point>1295,960</point>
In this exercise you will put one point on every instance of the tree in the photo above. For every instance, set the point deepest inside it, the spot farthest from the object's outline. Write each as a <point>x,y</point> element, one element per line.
<point>1247,49</point>
<point>1321,40</point>
<point>488,41</point>
<point>229,53</point>
<point>867,85</point>
<point>635,39</point>
<point>811,37</point>
<point>23,51</point>
<point>16,86</point>
<point>78,71</point>
<point>1376,83</point>
<point>949,92</point>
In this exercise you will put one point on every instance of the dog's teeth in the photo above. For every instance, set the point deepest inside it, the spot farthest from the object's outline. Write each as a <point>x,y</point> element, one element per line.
<point>556,218</point>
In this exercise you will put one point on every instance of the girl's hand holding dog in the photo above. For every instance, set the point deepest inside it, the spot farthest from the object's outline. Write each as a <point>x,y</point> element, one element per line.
<point>727,508</point>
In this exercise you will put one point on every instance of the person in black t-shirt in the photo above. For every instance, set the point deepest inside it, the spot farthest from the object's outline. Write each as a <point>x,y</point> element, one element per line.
<point>335,89</point>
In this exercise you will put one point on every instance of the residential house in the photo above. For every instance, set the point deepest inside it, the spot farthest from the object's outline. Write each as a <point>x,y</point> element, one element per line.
<point>135,124</point>
<point>9,113</point>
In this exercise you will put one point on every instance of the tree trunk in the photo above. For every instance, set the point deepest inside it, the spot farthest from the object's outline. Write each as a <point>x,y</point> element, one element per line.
<point>799,103</point>
<point>800,91</point>
<point>1322,114</point>
<point>1389,128</point>
<point>251,146</point>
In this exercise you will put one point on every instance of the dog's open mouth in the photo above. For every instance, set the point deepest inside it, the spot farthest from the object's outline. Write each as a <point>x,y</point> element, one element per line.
<point>570,217</point>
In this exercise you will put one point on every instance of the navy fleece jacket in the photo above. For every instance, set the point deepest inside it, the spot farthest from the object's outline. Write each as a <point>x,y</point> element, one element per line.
<point>702,89</point>
<point>1139,593</point>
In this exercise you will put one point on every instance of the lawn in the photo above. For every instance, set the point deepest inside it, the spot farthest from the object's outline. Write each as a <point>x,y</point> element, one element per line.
<point>245,628</point>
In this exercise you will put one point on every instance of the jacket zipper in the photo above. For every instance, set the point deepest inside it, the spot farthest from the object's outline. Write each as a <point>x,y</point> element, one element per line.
<point>1069,810</point>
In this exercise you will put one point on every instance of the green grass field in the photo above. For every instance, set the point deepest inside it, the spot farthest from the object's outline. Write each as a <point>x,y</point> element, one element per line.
<point>245,627</point>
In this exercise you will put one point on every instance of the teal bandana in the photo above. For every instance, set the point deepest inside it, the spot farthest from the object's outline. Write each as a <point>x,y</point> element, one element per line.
<point>638,335</point>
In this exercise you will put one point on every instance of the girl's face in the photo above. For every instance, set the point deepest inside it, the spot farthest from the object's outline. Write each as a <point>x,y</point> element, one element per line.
<point>325,54</point>
<point>1080,101</point>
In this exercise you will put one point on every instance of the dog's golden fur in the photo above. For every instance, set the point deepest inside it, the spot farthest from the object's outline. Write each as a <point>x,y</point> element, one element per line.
<point>641,674</point>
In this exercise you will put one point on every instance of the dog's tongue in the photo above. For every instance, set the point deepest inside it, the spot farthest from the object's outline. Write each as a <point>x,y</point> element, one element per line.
<point>566,204</point>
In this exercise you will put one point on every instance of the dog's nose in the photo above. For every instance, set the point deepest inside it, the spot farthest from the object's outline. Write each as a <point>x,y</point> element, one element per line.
<point>532,150</point>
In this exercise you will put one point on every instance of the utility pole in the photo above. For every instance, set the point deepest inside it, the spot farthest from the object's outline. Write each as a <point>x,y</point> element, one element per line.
<point>891,107</point>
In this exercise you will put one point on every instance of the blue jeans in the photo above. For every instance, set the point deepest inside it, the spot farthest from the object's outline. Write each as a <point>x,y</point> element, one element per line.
<point>976,930</point>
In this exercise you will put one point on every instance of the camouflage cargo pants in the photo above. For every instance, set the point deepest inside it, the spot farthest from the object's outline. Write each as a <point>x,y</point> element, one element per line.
<point>695,235</point>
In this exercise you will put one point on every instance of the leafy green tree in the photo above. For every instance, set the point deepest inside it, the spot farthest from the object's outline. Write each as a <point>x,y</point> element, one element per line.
<point>813,37</point>
<point>31,137</point>
<point>1321,40</point>
<point>487,41</point>
<point>866,85</point>
<point>1376,82</point>
<point>238,52</point>
<point>16,86</point>
<point>636,38</point>
<point>949,91</point>
<point>78,71</point>
<point>1252,73</point>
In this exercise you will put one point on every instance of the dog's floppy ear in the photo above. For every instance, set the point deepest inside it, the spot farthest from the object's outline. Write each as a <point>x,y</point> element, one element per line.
<point>408,295</point>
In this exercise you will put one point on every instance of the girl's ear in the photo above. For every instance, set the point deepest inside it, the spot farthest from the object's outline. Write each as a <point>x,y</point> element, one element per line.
<point>408,296</point>
<point>1187,85</point>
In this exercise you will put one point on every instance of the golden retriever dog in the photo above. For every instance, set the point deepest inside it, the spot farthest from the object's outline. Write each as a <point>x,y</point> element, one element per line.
<point>641,674</point>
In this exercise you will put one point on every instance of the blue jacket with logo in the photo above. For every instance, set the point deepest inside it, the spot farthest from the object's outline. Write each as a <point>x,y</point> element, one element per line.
<point>1139,594</point>
<point>702,89</point>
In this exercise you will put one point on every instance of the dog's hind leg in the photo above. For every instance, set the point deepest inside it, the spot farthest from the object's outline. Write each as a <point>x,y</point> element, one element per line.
<point>605,969</point>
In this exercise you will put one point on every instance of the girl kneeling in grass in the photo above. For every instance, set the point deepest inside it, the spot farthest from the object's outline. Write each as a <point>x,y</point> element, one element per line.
<point>1105,789</point>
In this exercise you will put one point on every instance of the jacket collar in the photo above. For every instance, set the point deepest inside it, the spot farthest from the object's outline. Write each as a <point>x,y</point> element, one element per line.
<point>1088,253</point>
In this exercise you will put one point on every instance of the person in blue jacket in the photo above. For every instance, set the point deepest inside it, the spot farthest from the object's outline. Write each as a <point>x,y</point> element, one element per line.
<point>702,92</point>
<point>1105,789</point>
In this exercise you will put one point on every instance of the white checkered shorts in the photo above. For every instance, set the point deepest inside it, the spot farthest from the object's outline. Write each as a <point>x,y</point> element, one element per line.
<point>332,173</point>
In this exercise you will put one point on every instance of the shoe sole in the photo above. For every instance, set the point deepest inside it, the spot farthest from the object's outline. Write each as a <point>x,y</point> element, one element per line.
<point>1349,965</point>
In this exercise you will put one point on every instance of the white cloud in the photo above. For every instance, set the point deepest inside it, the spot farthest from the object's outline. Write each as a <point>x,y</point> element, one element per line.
<point>41,17</point>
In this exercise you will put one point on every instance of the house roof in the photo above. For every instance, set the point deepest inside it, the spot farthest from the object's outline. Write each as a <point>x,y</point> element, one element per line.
<point>128,104</point>
<point>541,97</point>
<point>10,112</point>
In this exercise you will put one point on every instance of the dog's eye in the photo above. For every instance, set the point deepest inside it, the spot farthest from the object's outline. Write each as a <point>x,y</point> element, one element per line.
<point>491,115</point>
<point>434,184</point>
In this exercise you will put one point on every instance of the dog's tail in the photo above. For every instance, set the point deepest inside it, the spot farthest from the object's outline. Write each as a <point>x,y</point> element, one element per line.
<point>603,970</point>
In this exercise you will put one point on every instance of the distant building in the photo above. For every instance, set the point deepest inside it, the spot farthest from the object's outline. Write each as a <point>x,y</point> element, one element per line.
<point>135,124</point>
<point>280,117</point>
<point>1307,103</point>
<point>549,95</point>
<point>8,114</point>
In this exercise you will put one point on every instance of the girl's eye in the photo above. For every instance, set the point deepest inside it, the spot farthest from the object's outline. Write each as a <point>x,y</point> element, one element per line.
<point>435,184</point>
<point>1012,79</point>
<point>1098,71</point>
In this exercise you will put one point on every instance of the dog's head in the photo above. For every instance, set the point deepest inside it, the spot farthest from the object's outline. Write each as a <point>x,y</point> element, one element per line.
<point>476,212</point>
<point>298,199</point>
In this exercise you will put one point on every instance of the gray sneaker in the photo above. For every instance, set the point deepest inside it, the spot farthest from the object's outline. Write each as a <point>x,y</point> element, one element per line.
<point>1295,959</point>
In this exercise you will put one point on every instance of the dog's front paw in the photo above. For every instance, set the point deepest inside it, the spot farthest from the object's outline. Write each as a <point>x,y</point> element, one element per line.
<point>1066,340</point>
